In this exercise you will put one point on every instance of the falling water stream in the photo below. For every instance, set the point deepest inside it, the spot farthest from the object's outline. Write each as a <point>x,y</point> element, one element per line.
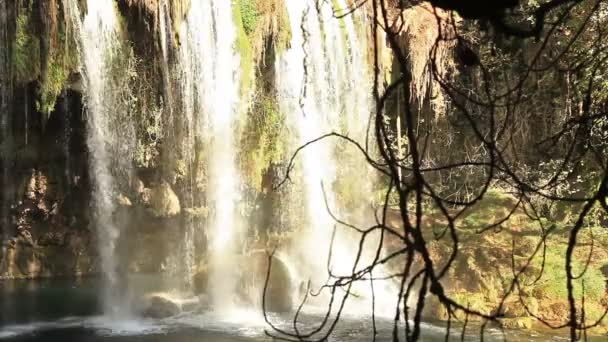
<point>5,129</point>
<point>99,39</point>
<point>317,90</point>
<point>211,99</point>
<point>324,88</point>
<point>304,95</point>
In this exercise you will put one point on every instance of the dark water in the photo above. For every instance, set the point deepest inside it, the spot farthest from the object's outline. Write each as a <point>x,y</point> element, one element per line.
<point>68,310</point>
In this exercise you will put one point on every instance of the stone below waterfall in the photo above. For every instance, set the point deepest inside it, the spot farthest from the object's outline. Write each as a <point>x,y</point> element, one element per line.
<point>161,306</point>
<point>252,278</point>
<point>279,294</point>
<point>164,202</point>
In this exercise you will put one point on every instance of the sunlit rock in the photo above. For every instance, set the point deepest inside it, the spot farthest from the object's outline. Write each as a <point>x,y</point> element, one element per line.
<point>138,186</point>
<point>124,200</point>
<point>163,305</point>
<point>163,201</point>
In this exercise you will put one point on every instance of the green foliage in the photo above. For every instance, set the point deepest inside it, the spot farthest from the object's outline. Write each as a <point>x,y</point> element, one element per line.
<point>283,38</point>
<point>552,285</point>
<point>486,259</point>
<point>256,21</point>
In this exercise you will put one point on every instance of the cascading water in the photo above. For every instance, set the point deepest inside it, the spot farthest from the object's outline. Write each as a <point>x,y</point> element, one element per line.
<point>324,87</point>
<point>164,32</point>
<point>108,136</point>
<point>210,90</point>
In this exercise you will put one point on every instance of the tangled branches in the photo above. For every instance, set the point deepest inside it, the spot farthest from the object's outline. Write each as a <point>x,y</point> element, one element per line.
<point>512,124</point>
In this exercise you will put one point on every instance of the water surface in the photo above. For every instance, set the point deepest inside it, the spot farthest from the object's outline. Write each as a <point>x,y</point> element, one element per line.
<point>68,310</point>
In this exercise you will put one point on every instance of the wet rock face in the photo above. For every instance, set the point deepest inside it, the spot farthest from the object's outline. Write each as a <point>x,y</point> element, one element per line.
<point>46,225</point>
<point>200,279</point>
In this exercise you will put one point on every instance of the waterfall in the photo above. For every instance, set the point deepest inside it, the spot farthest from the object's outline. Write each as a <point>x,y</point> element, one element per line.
<point>301,82</point>
<point>5,122</point>
<point>109,135</point>
<point>324,86</point>
<point>210,88</point>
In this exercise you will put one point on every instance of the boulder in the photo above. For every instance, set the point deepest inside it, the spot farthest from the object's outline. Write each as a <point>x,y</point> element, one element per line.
<point>163,201</point>
<point>161,306</point>
<point>138,186</point>
<point>199,280</point>
<point>279,294</point>
<point>124,201</point>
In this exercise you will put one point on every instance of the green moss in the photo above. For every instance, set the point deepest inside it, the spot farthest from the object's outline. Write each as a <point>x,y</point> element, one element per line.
<point>263,142</point>
<point>250,15</point>
<point>283,37</point>
<point>243,47</point>
<point>26,49</point>
<point>52,86</point>
<point>494,206</point>
<point>28,61</point>
<point>60,64</point>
